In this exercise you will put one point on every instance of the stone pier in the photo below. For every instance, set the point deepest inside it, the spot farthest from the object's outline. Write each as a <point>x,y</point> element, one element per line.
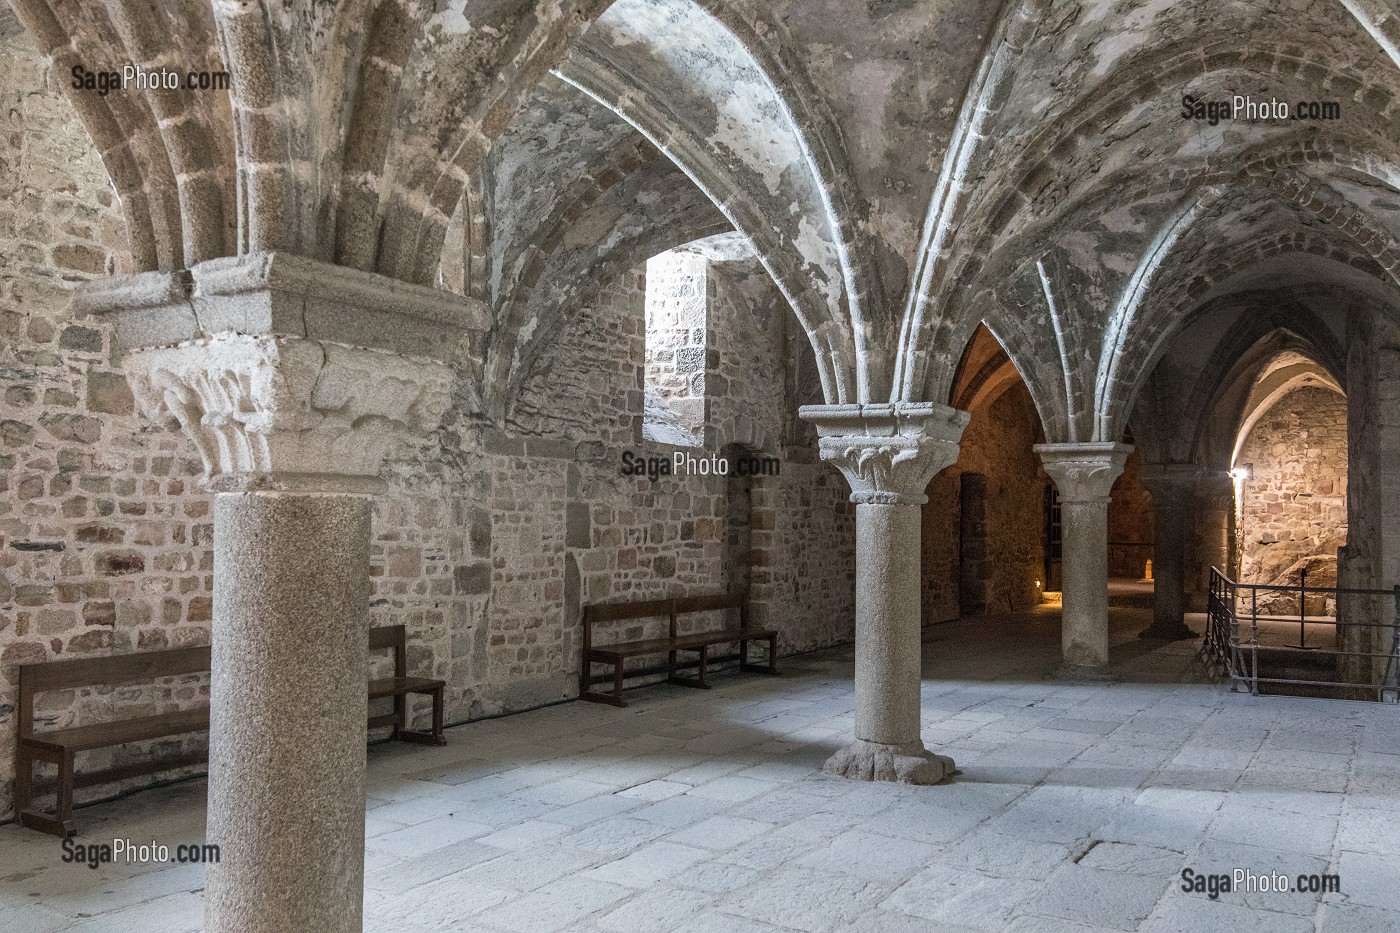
<point>888,454</point>
<point>269,365</point>
<point>1173,488</point>
<point>1084,475</point>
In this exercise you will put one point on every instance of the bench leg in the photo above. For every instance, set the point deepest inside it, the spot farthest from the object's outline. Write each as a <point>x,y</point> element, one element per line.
<point>698,681</point>
<point>426,738</point>
<point>612,699</point>
<point>770,668</point>
<point>400,715</point>
<point>64,810</point>
<point>61,822</point>
<point>24,780</point>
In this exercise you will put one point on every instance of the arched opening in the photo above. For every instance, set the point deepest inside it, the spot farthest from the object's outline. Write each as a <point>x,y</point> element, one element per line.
<point>1290,469</point>
<point>1131,531</point>
<point>992,552</point>
<point>999,552</point>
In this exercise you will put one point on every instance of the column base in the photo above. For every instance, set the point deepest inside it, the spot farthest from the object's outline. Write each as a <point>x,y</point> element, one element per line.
<point>902,764</point>
<point>1178,632</point>
<point>1084,674</point>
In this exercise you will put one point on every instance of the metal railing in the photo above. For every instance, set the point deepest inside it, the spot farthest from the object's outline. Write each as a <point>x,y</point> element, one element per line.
<point>1252,648</point>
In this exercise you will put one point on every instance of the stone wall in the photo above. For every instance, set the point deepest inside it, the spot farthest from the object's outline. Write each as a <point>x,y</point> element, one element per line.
<point>990,562</point>
<point>486,545</point>
<point>104,536</point>
<point>715,335</point>
<point>751,344</point>
<point>589,533</point>
<point>1294,505</point>
<point>605,372</point>
<point>1130,523</point>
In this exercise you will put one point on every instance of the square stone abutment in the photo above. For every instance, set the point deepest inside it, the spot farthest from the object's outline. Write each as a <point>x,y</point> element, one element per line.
<point>294,380</point>
<point>1173,489</point>
<point>888,454</point>
<point>1211,532</point>
<point>1084,475</point>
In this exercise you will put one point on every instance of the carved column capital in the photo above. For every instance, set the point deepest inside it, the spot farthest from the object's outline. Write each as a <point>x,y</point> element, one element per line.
<point>285,413</point>
<point>287,373</point>
<point>1172,485</point>
<point>888,453</point>
<point>1083,472</point>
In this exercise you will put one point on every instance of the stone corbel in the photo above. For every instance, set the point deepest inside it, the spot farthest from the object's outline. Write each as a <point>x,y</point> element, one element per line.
<point>1172,485</point>
<point>888,453</point>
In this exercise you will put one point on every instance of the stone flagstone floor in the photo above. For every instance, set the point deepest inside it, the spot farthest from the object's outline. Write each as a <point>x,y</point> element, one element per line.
<point>1076,810</point>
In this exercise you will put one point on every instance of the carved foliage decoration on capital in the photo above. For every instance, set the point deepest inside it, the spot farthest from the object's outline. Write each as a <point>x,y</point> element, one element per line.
<point>887,471</point>
<point>283,412</point>
<point>888,453</point>
<point>1083,472</point>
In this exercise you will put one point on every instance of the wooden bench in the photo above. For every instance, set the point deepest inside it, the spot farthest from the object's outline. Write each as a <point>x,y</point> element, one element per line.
<point>400,686</point>
<point>60,746</point>
<point>617,653</point>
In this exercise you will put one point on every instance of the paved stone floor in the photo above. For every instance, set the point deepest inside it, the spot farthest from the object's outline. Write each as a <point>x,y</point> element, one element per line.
<point>1077,809</point>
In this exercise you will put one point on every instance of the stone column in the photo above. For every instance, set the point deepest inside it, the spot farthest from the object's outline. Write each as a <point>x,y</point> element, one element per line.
<point>888,454</point>
<point>1084,475</point>
<point>1372,557</point>
<point>1173,487</point>
<point>293,428</point>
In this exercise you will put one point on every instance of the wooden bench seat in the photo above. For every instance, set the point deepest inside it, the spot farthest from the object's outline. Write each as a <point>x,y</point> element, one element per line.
<point>107,734</point>
<point>722,636</point>
<point>393,686</point>
<point>616,654</point>
<point>630,649</point>
<point>59,747</point>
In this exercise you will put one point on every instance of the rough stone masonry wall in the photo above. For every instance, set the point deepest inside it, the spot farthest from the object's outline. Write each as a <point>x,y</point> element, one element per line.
<point>104,538</point>
<point>1294,506</point>
<point>1131,525</point>
<point>748,401</point>
<point>996,445</point>
<point>594,535</point>
<point>484,546</point>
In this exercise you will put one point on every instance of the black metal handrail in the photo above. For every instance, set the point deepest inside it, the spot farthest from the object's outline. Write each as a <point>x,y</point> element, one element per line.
<point>1232,640</point>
